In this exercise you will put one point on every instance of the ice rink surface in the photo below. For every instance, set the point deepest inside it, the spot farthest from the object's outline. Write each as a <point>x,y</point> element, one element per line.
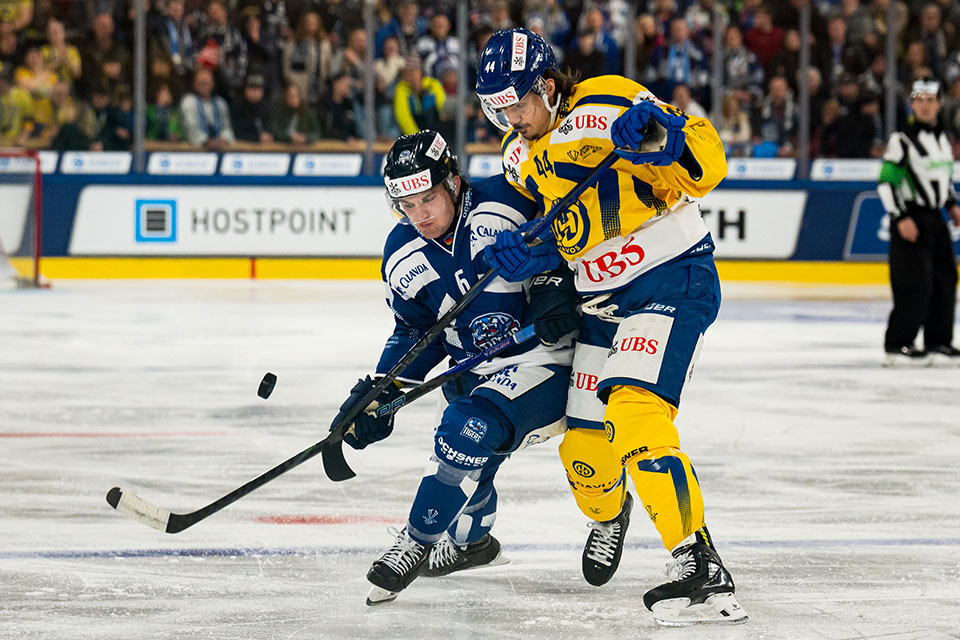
<point>831,483</point>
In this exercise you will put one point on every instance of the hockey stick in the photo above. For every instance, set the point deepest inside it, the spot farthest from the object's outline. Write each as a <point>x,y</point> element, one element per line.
<point>133,506</point>
<point>334,464</point>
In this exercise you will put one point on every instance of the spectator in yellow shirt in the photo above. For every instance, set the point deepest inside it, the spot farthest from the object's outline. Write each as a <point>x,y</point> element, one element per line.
<point>59,57</point>
<point>38,81</point>
<point>418,101</point>
<point>19,12</point>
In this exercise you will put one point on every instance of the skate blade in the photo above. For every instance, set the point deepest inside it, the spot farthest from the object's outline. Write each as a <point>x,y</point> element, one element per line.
<point>496,562</point>
<point>945,362</point>
<point>376,596</point>
<point>678,612</point>
<point>903,362</point>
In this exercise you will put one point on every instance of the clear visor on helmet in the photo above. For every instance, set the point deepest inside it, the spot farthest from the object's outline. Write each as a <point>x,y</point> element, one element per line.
<point>497,107</point>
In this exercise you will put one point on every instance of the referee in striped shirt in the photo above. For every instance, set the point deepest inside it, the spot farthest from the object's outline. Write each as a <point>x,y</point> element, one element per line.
<point>916,183</point>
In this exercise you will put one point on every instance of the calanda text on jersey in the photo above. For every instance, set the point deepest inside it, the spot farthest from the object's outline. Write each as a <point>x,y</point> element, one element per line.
<point>637,216</point>
<point>425,278</point>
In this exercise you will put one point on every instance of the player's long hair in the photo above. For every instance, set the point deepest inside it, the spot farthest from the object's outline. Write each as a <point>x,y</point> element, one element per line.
<point>563,80</point>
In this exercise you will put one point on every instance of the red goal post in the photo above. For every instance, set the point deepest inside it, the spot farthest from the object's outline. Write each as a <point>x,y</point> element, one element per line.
<point>21,216</point>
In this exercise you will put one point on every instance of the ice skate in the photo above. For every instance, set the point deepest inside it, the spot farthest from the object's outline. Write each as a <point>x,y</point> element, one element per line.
<point>701,589</point>
<point>944,355</point>
<point>601,554</point>
<point>396,569</point>
<point>446,557</point>
<point>906,357</point>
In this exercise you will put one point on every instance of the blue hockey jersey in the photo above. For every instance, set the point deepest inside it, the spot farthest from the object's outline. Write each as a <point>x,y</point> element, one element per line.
<point>425,278</point>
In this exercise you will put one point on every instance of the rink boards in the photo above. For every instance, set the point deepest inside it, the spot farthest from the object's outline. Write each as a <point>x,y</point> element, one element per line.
<point>285,222</point>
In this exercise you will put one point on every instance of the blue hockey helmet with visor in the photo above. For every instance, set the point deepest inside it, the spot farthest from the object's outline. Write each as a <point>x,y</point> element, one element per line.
<point>513,64</point>
<point>416,163</point>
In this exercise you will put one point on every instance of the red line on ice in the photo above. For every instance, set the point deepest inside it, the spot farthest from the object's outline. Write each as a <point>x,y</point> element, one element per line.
<point>329,519</point>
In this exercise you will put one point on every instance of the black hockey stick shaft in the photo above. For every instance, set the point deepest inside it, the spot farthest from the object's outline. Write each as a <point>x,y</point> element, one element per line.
<point>334,464</point>
<point>151,515</point>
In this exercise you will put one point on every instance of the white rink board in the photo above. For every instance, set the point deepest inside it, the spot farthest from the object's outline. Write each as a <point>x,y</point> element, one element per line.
<point>830,482</point>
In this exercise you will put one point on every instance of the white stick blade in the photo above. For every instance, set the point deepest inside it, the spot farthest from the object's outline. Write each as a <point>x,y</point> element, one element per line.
<point>133,506</point>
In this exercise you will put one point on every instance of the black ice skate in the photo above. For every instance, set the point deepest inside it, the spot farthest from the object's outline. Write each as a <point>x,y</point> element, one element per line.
<point>601,554</point>
<point>396,569</point>
<point>701,590</point>
<point>944,355</point>
<point>906,357</point>
<point>446,557</point>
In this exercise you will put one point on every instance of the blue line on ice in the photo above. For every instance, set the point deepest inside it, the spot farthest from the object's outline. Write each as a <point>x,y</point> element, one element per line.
<point>327,551</point>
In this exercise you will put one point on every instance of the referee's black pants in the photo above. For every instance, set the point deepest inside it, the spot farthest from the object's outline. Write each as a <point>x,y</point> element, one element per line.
<point>923,276</point>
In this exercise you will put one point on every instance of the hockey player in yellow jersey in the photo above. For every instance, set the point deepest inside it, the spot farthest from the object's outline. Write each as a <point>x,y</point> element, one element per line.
<point>635,252</point>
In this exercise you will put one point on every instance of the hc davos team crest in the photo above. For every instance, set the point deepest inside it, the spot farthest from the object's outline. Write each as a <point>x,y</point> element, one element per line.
<point>572,229</point>
<point>583,469</point>
<point>490,328</point>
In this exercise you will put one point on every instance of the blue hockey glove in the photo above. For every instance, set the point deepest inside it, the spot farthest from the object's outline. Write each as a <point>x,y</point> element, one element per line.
<point>515,261</point>
<point>367,428</point>
<point>553,300</point>
<point>646,134</point>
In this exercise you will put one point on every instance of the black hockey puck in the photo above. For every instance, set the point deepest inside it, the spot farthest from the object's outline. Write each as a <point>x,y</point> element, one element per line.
<point>266,385</point>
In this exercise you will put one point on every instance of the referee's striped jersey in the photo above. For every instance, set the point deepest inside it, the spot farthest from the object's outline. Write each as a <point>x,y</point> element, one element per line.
<point>917,171</point>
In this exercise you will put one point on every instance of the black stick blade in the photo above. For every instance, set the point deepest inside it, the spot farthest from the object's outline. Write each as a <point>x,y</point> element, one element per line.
<point>334,464</point>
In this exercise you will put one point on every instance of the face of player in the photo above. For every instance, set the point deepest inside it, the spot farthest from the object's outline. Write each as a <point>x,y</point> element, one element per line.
<point>530,116</point>
<point>431,212</point>
<point>925,107</point>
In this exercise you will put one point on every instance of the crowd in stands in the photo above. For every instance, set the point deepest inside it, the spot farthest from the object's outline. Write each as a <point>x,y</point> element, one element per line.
<point>293,71</point>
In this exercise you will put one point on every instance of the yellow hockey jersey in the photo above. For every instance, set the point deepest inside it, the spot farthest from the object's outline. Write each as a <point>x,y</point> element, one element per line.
<point>637,216</point>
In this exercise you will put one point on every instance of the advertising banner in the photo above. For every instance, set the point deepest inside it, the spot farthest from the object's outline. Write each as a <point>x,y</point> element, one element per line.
<point>227,220</point>
<point>761,224</point>
<point>869,235</point>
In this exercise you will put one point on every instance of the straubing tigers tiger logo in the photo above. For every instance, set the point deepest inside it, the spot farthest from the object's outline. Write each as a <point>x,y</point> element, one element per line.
<point>490,328</point>
<point>572,229</point>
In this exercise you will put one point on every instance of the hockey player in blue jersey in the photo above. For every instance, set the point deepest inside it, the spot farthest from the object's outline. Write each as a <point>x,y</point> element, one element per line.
<point>430,259</point>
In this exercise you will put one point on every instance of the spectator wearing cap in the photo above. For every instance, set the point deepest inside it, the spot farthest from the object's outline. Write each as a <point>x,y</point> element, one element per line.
<point>292,121</point>
<point>308,58</point>
<point>406,26</point>
<point>418,100</point>
<point>339,114</point>
<point>205,116</point>
<point>250,113</point>
<point>437,48</point>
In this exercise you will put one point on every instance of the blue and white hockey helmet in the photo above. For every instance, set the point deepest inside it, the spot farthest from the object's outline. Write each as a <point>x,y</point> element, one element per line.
<point>512,64</point>
<point>416,163</point>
